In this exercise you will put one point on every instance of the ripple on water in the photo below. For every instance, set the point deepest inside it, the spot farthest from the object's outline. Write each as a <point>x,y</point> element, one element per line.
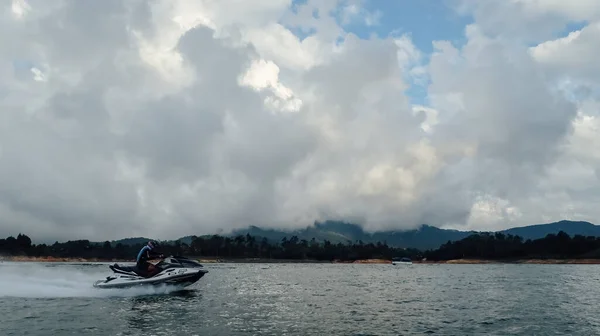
<point>309,299</point>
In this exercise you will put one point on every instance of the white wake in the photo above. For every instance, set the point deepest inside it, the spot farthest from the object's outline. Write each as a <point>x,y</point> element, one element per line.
<point>47,280</point>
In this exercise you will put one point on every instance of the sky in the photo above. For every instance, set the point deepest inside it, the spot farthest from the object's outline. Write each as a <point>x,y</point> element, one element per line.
<point>165,118</point>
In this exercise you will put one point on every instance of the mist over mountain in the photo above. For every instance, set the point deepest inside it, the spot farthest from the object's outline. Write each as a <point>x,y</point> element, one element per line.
<point>424,238</point>
<point>188,117</point>
<point>571,228</point>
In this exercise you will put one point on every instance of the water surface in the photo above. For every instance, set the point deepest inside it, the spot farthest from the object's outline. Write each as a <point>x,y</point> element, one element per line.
<point>308,299</point>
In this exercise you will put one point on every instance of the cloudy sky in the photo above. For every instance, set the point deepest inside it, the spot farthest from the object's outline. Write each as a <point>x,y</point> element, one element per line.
<point>166,118</point>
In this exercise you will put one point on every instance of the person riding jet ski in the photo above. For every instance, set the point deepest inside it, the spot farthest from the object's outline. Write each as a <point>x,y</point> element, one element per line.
<point>149,251</point>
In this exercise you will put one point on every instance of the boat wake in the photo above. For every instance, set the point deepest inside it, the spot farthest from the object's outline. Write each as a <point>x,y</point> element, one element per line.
<point>38,280</point>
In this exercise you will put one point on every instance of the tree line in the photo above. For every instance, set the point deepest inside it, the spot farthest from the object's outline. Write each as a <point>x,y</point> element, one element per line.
<point>498,246</point>
<point>490,246</point>
<point>242,246</point>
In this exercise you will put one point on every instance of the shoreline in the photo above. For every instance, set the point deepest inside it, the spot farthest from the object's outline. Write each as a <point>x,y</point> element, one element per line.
<point>533,261</point>
<point>209,260</point>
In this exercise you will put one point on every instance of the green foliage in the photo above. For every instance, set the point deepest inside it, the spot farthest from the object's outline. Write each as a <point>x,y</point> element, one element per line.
<point>490,246</point>
<point>572,228</point>
<point>423,238</point>
<point>499,246</point>
<point>241,246</point>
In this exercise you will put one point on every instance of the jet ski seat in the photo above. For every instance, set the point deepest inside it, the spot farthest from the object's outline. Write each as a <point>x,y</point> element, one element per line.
<point>130,269</point>
<point>124,268</point>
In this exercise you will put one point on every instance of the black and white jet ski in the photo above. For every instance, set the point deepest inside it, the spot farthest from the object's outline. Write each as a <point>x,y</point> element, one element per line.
<point>173,270</point>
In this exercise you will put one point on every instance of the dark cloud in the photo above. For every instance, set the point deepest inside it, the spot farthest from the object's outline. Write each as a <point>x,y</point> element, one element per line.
<point>167,118</point>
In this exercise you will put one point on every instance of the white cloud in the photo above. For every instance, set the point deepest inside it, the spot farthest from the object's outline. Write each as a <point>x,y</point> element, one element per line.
<point>262,75</point>
<point>558,178</point>
<point>528,20</point>
<point>184,117</point>
<point>579,10</point>
<point>492,213</point>
<point>20,8</point>
<point>354,10</point>
<point>430,117</point>
<point>572,57</point>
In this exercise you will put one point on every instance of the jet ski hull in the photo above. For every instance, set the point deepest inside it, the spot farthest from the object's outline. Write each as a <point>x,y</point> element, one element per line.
<point>174,271</point>
<point>181,277</point>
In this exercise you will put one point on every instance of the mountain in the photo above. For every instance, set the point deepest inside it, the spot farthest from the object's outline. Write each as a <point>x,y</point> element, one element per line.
<point>423,238</point>
<point>334,234</point>
<point>143,240</point>
<point>130,241</point>
<point>569,227</point>
<point>186,240</point>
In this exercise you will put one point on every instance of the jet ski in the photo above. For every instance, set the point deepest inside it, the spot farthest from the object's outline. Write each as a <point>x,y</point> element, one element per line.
<point>173,270</point>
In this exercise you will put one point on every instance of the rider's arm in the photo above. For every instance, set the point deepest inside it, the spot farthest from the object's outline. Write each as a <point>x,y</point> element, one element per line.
<point>152,253</point>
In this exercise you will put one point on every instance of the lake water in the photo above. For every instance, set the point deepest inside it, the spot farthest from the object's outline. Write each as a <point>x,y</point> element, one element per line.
<point>308,299</point>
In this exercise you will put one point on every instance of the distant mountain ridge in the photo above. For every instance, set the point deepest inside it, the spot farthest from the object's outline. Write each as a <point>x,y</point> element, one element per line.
<point>425,237</point>
<point>130,241</point>
<point>571,228</point>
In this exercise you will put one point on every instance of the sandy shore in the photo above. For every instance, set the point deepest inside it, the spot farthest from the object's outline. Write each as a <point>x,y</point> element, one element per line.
<point>82,260</point>
<point>521,261</point>
<point>372,261</point>
<point>364,261</point>
<point>561,261</point>
<point>56,259</point>
<point>200,260</point>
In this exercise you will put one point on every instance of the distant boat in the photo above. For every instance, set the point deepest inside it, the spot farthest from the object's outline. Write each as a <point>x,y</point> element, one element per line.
<point>401,261</point>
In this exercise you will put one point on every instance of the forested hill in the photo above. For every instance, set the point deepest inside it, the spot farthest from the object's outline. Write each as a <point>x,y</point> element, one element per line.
<point>424,238</point>
<point>213,246</point>
<point>499,246</point>
<point>488,246</point>
<point>334,239</point>
<point>571,228</point>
